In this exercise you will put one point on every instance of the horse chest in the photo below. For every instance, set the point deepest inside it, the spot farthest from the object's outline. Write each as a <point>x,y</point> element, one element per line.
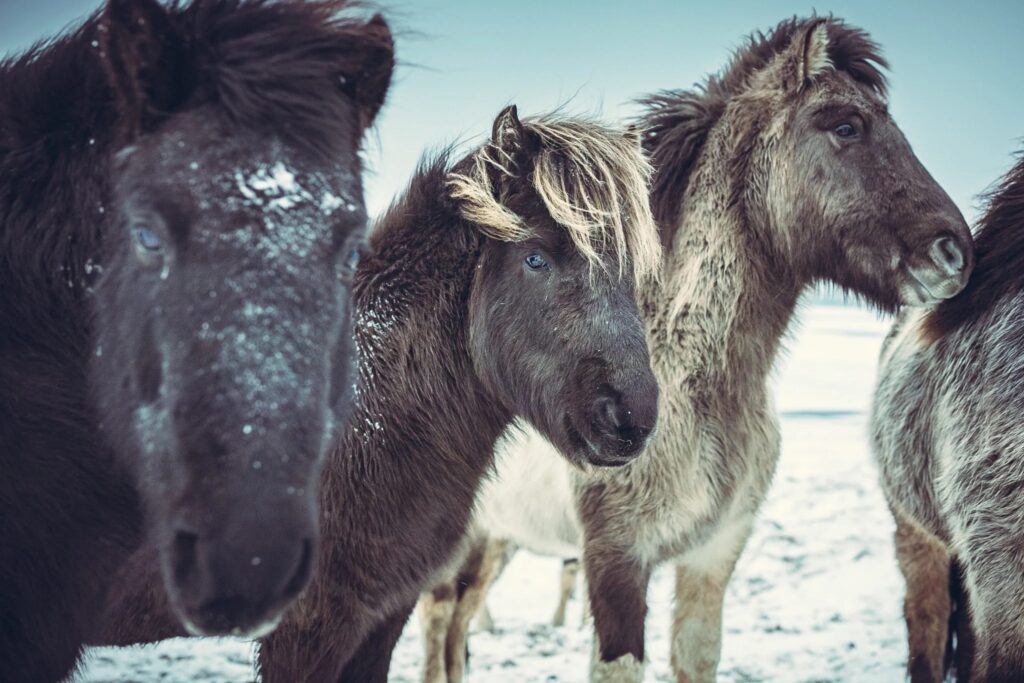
<point>701,472</point>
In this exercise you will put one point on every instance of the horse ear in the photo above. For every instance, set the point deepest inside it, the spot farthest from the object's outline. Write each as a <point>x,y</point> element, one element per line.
<point>812,58</point>
<point>508,133</point>
<point>143,55</point>
<point>369,77</point>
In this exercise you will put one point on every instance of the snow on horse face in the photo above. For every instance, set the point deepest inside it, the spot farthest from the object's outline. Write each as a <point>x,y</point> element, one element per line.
<point>181,205</point>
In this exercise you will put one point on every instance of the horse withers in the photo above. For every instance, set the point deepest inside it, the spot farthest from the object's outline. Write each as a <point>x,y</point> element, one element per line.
<point>180,212</point>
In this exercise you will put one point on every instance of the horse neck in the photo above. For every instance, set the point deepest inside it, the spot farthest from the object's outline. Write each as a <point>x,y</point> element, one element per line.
<point>57,130</point>
<point>720,311</point>
<point>422,417</point>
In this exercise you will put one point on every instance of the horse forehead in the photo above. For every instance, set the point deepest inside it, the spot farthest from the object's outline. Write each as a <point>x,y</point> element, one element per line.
<point>274,195</point>
<point>839,88</point>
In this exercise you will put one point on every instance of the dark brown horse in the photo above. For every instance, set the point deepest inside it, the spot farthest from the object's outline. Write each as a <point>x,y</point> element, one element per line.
<point>180,197</point>
<point>948,436</point>
<point>501,285</point>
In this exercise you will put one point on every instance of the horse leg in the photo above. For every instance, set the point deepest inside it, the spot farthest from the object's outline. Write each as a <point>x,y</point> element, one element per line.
<point>484,619</point>
<point>960,624</point>
<point>437,609</point>
<point>315,641</point>
<point>995,585</point>
<point>617,585</point>
<point>38,644</point>
<point>474,583</point>
<point>371,661</point>
<point>924,561</point>
<point>701,579</point>
<point>570,569</point>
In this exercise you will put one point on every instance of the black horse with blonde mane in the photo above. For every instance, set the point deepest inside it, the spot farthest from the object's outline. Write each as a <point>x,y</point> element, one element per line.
<point>501,285</point>
<point>180,194</point>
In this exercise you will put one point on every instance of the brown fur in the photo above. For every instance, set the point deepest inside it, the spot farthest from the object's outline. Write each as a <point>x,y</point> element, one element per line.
<point>925,563</point>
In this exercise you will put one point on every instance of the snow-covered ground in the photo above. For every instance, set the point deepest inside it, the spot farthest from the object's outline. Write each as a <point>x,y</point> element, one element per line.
<point>816,595</point>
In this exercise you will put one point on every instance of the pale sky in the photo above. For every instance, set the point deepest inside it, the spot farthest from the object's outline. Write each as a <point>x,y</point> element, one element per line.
<point>957,86</point>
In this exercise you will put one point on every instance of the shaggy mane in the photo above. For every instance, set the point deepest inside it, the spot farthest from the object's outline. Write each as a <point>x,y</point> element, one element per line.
<point>999,257</point>
<point>266,65</point>
<point>593,181</point>
<point>273,65</point>
<point>676,123</point>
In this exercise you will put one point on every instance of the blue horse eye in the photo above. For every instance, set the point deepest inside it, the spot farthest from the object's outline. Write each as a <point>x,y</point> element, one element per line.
<point>844,130</point>
<point>148,239</point>
<point>352,260</point>
<point>536,261</point>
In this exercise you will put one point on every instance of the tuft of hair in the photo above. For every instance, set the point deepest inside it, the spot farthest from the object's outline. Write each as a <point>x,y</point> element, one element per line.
<point>593,180</point>
<point>676,123</point>
<point>271,61</point>
<point>999,257</point>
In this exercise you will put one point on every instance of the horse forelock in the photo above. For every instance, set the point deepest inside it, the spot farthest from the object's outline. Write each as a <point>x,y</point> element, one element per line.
<point>676,123</point>
<point>275,64</point>
<point>999,256</point>
<point>593,181</point>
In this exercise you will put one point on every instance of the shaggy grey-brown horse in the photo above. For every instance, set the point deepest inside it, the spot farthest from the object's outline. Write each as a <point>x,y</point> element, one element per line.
<point>947,434</point>
<point>783,170</point>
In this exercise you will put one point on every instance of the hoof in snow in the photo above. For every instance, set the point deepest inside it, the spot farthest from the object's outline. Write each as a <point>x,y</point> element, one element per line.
<point>625,669</point>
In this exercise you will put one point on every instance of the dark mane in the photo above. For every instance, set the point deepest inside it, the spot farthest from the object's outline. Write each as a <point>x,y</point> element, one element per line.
<point>425,195</point>
<point>999,254</point>
<point>273,66</point>
<point>269,66</point>
<point>676,123</point>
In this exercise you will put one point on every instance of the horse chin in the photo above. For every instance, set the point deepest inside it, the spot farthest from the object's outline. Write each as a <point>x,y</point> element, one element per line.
<point>206,626</point>
<point>914,292</point>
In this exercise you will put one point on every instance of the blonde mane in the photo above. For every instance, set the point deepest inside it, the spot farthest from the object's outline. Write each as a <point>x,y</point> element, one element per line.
<point>593,181</point>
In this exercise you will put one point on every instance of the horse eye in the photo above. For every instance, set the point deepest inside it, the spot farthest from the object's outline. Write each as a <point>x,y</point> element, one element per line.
<point>536,262</point>
<point>845,130</point>
<point>147,239</point>
<point>352,260</point>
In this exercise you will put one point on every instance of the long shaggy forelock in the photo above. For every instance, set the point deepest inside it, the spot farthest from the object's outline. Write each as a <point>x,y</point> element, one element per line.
<point>593,181</point>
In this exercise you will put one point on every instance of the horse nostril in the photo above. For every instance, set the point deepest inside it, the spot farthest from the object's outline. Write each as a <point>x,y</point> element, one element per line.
<point>608,410</point>
<point>948,255</point>
<point>184,556</point>
<point>302,572</point>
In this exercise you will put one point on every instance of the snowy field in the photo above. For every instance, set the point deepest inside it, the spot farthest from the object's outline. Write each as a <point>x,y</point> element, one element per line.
<point>816,596</point>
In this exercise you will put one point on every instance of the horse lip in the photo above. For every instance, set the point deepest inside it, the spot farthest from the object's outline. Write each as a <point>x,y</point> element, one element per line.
<point>586,451</point>
<point>610,460</point>
<point>255,632</point>
<point>936,291</point>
